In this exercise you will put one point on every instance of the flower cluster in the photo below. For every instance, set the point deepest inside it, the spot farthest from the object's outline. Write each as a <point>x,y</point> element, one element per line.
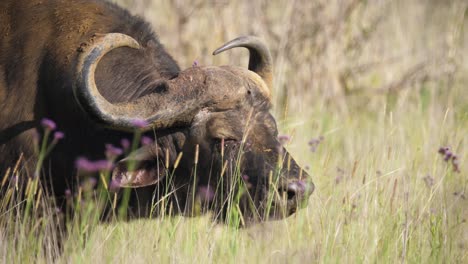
<point>449,156</point>
<point>284,139</point>
<point>139,123</point>
<point>246,178</point>
<point>50,126</point>
<point>146,140</point>
<point>125,143</point>
<point>85,165</point>
<point>205,193</point>
<point>114,185</point>
<point>112,152</point>
<point>429,181</point>
<point>315,142</point>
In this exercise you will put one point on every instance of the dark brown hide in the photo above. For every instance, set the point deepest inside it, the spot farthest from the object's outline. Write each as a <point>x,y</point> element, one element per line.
<point>42,43</point>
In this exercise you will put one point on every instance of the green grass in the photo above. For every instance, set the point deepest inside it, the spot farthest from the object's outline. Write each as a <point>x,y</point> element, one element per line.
<point>371,204</point>
<point>383,193</point>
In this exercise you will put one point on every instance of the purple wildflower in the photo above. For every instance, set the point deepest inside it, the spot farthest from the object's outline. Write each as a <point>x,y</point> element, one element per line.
<point>68,194</point>
<point>340,175</point>
<point>114,185</point>
<point>443,150</point>
<point>48,124</point>
<point>125,143</point>
<point>450,156</point>
<point>146,141</point>
<point>283,139</point>
<point>195,63</point>
<point>429,181</point>
<point>92,182</point>
<point>205,193</point>
<point>245,177</point>
<point>86,165</point>
<point>314,143</point>
<point>103,165</point>
<point>112,152</point>
<point>58,135</point>
<point>139,123</point>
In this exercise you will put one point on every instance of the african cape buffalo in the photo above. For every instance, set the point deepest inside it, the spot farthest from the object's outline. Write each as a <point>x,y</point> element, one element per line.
<point>101,73</point>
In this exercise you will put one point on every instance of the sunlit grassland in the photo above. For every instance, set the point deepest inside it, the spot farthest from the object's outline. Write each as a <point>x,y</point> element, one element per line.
<point>383,192</point>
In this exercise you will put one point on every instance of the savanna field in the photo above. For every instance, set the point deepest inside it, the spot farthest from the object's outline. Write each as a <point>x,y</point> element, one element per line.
<point>371,98</point>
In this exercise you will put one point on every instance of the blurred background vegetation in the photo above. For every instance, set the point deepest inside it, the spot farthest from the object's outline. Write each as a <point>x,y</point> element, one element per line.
<point>340,53</point>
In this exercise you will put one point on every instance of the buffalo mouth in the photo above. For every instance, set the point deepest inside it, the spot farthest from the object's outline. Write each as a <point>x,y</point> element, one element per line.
<point>139,169</point>
<point>286,199</point>
<point>142,173</point>
<point>260,200</point>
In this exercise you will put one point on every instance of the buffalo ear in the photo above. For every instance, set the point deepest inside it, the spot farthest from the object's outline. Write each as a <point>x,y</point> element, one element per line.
<point>141,168</point>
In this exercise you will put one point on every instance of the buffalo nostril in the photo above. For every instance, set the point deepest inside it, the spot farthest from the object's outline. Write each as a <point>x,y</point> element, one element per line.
<point>291,194</point>
<point>294,190</point>
<point>298,187</point>
<point>287,193</point>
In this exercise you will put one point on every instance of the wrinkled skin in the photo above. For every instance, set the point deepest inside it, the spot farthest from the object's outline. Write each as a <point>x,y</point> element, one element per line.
<point>240,135</point>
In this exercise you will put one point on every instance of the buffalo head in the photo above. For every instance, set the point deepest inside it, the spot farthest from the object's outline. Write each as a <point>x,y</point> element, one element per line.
<point>220,117</point>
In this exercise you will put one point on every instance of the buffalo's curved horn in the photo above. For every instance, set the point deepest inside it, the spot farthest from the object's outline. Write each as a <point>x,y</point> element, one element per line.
<point>144,113</point>
<point>260,60</point>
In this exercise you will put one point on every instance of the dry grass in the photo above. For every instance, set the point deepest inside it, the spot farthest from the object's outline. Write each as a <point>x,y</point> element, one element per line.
<point>384,82</point>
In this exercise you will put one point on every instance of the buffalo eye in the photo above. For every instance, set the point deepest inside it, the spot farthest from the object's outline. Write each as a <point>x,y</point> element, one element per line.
<point>225,140</point>
<point>224,143</point>
<point>159,87</point>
